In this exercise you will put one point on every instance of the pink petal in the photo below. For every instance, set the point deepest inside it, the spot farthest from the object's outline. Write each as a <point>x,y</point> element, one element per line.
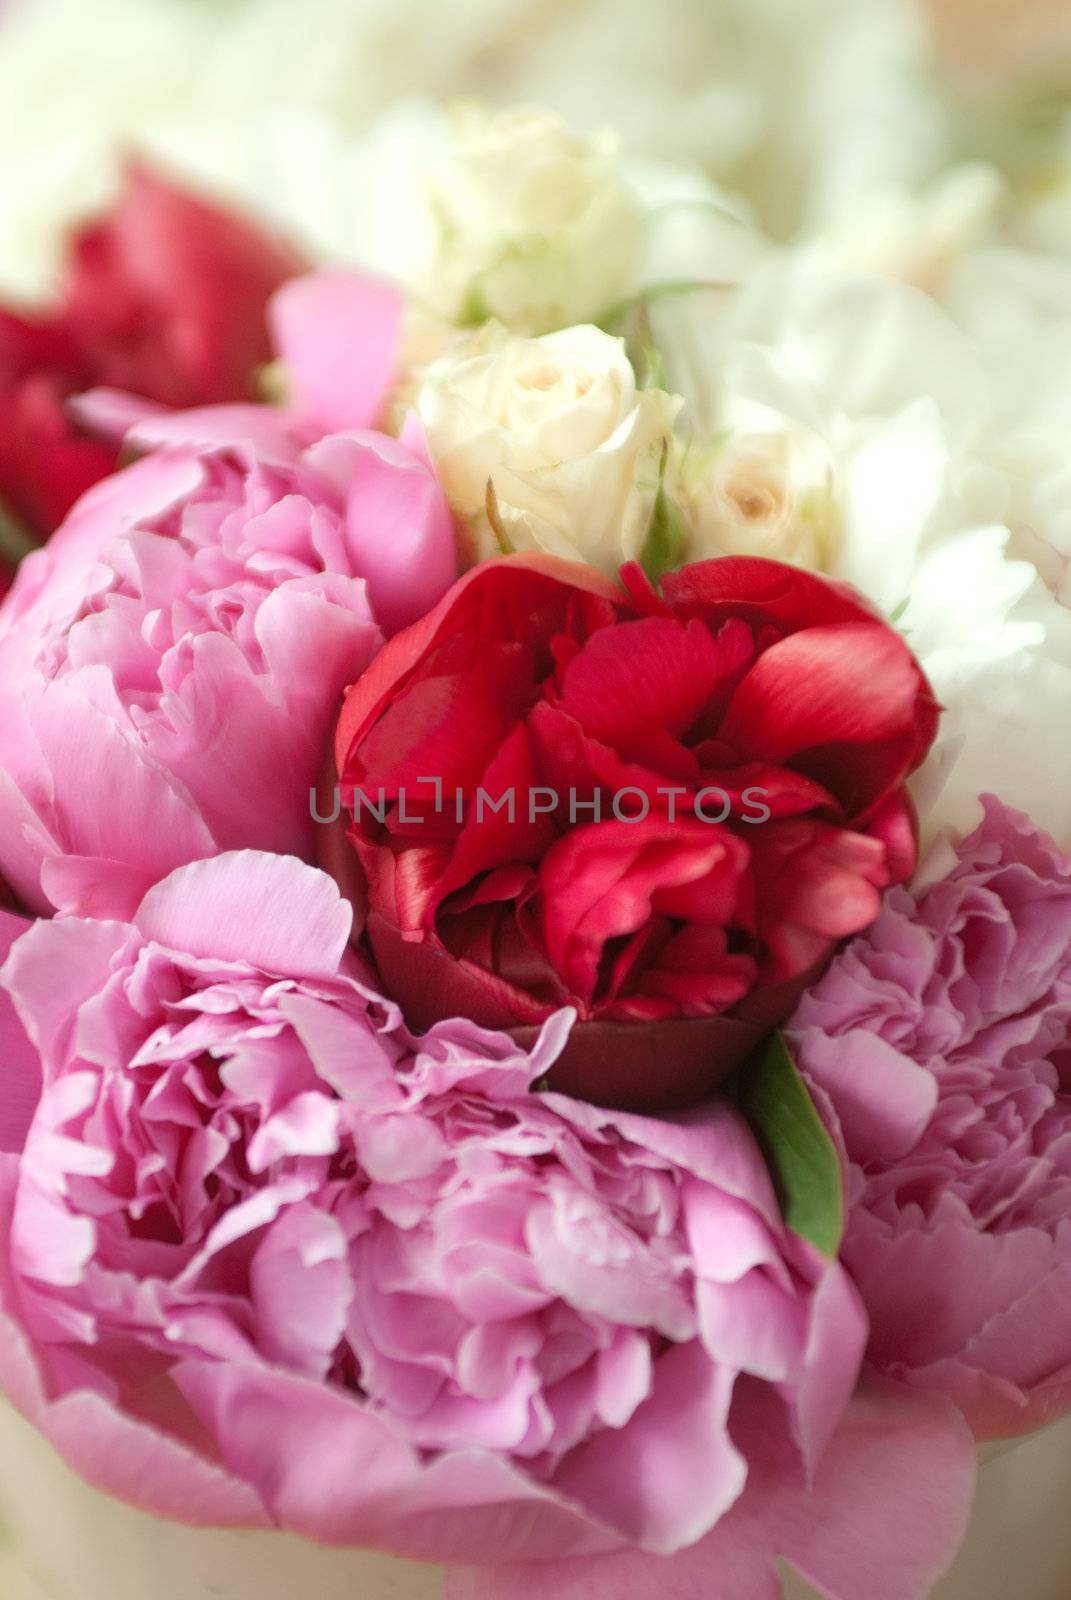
<point>20,1063</point>
<point>112,413</point>
<point>822,1393</point>
<point>331,1471</point>
<point>128,1459</point>
<point>270,912</point>
<point>890,1503</point>
<point>677,1440</point>
<point>398,525</point>
<point>884,1519</point>
<point>883,1100</point>
<point>301,1290</point>
<point>273,433</point>
<point>340,334</point>
<point>146,1468</point>
<point>55,968</point>
<point>270,728</point>
<point>144,425</point>
<point>139,823</point>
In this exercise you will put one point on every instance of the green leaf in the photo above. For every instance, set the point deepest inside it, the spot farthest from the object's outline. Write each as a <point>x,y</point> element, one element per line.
<point>474,310</point>
<point>797,1145</point>
<point>666,535</point>
<point>650,368</point>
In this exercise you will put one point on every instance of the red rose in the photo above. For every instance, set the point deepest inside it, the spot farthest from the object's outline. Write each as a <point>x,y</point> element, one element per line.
<point>746,737</point>
<point>164,297</point>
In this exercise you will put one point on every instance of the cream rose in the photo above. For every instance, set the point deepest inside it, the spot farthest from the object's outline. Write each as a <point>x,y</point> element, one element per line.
<point>529,223</point>
<point>761,494</point>
<point>548,443</point>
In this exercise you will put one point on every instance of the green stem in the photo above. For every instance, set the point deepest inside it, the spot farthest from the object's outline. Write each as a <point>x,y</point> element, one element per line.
<point>15,541</point>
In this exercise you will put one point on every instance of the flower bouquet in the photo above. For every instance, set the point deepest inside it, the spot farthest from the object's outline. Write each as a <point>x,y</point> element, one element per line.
<point>536,985</point>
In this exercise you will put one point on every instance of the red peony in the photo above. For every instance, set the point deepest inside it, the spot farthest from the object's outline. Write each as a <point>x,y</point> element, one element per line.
<point>45,462</point>
<point>164,297</point>
<point>745,736</point>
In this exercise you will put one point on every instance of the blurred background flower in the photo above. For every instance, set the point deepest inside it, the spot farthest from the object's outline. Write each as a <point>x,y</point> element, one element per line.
<point>819,112</point>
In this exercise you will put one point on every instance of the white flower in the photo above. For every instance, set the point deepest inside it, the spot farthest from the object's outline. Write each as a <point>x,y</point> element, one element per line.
<point>531,223</point>
<point>287,121</point>
<point>1017,309</point>
<point>901,400</point>
<point>1005,689</point>
<point>232,93</point>
<point>918,235</point>
<point>511,215</point>
<point>547,443</point>
<point>762,492</point>
<point>1043,216</point>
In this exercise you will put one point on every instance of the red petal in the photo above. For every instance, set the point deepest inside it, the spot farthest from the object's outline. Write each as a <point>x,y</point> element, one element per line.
<point>641,686</point>
<point>521,599</point>
<point>826,700</point>
<point>604,882</point>
<point>653,1067</point>
<point>814,885</point>
<point>765,592</point>
<point>168,294</point>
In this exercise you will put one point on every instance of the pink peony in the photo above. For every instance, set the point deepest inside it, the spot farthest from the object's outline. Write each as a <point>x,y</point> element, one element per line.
<point>880,1520</point>
<point>267,1260</point>
<point>22,1073</point>
<point>171,664</point>
<point>942,1038</point>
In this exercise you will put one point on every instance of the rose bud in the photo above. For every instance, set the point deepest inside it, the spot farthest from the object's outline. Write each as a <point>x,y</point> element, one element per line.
<point>698,796</point>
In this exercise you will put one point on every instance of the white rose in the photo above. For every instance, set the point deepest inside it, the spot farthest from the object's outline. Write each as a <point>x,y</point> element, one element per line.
<point>548,443</point>
<point>762,494</point>
<point>531,223</point>
<point>510,216</point>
